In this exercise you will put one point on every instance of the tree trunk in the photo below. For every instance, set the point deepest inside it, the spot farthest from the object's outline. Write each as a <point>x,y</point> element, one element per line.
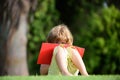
<point>13,36</point>
<point>16,63</point>
<point>16,60</point>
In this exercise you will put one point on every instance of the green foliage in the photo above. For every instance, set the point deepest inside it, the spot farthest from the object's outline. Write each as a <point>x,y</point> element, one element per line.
<point>93,26</point>
<point>100,36</point>
<point>45,17</point>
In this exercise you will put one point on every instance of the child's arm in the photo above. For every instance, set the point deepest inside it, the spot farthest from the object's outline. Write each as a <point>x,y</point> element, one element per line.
<point>77,60</point>
<point>44,69</point>
<point>61,58</point>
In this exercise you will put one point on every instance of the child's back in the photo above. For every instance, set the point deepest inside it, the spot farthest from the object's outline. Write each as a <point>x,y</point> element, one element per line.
<point>54,69</point>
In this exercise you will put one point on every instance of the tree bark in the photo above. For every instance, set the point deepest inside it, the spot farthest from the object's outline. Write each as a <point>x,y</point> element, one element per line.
<point>16,62</point>
<point>13,36</point>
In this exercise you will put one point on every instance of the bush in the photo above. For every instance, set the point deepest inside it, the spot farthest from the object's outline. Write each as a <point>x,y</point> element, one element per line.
<point>96,29</point>
<point>100,36</point>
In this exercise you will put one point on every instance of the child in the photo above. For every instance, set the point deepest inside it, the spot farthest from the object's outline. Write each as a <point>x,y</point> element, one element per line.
<point>65,60</point>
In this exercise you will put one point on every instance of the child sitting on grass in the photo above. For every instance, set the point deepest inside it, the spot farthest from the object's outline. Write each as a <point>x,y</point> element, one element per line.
<point>66,60</point>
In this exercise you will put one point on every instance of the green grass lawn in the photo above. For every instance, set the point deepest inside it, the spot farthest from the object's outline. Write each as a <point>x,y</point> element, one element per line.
<point>91,77</point>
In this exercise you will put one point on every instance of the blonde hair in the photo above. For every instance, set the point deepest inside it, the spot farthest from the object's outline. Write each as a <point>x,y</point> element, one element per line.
<point>60,34</point>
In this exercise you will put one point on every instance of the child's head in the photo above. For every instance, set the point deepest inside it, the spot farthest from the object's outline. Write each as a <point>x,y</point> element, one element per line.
<point>60,34</point>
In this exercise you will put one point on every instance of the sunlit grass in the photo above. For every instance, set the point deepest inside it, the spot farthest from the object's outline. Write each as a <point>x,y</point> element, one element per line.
<point>91,77</point>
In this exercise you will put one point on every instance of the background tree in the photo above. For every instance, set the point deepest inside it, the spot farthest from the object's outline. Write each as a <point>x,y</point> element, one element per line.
<point>13,36</point>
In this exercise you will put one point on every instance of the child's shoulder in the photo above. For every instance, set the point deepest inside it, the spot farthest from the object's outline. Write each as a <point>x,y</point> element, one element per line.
<point>65,46</point>
<point>59,47</point>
